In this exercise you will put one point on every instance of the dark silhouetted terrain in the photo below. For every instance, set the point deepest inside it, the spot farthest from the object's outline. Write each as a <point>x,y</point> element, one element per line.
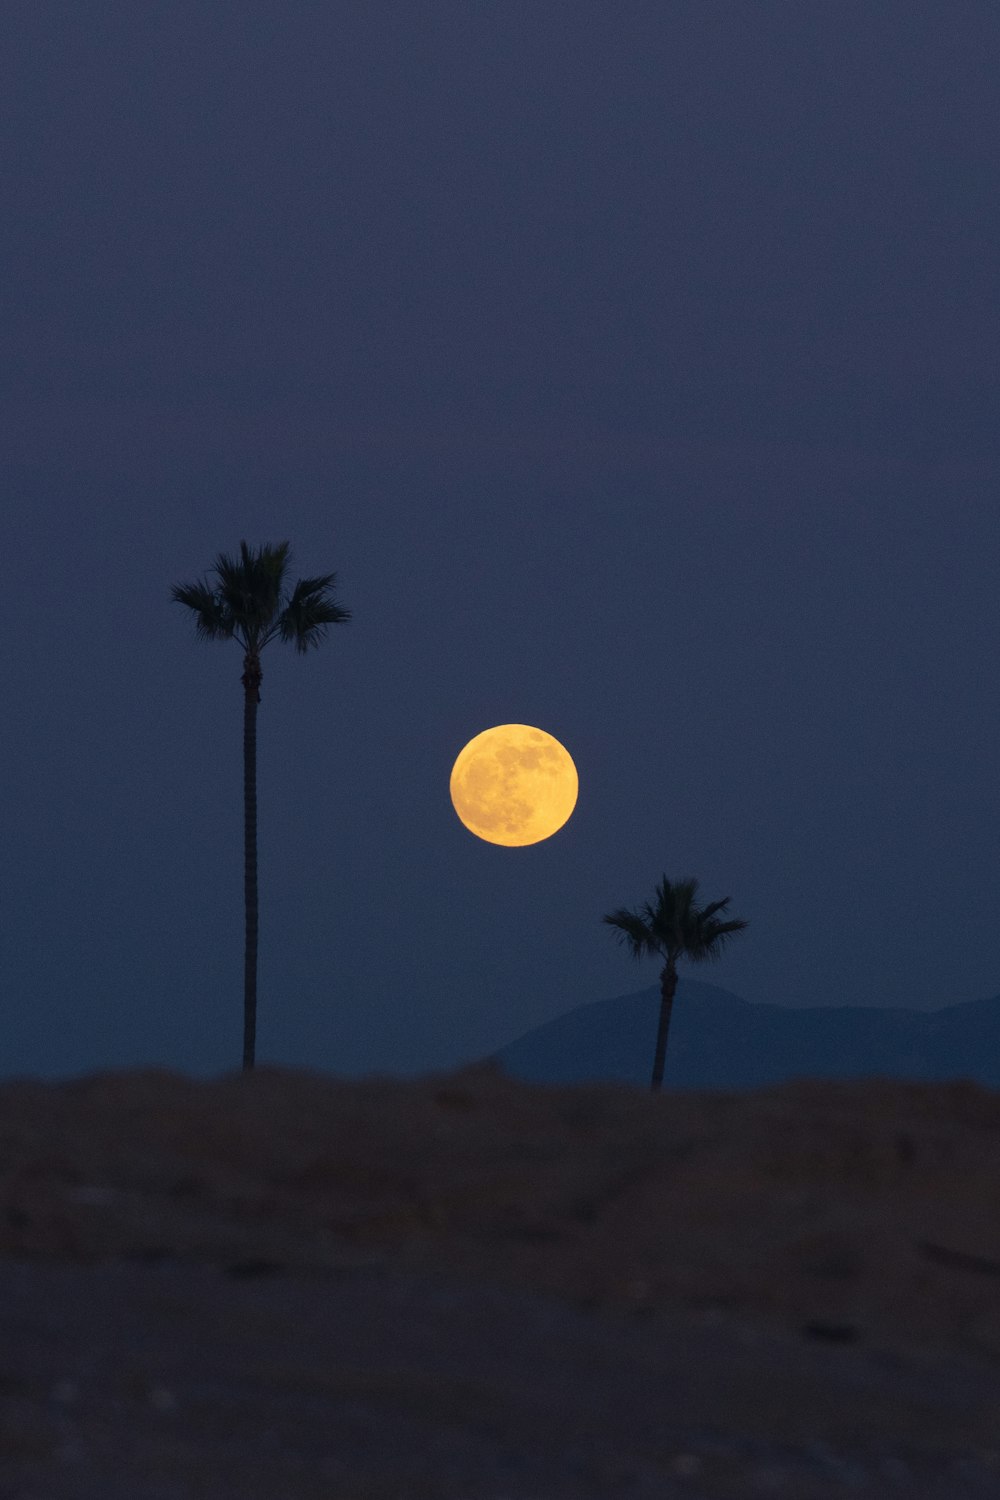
<point>718,1041</point>
<point>466,1287</point>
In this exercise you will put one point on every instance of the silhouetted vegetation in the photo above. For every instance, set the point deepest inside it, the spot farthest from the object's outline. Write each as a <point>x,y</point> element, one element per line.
<point>672,927</point>
<point>246,604</point>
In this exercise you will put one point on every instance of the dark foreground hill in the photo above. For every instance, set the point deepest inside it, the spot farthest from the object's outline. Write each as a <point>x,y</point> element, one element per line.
<point>718,1041</point>
<point>463,1287</point>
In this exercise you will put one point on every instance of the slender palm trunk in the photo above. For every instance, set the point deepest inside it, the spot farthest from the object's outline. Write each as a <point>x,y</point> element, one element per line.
<point>251,682</point>
<point>668,987</point>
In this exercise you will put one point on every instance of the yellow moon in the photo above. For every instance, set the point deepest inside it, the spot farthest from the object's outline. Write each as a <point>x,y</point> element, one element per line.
<point>514,784</point>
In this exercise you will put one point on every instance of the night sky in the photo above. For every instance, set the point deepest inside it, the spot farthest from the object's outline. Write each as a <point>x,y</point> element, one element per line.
<point>634,367</point>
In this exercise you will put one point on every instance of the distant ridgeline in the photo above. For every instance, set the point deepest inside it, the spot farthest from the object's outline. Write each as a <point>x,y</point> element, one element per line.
<point>718,1041</point>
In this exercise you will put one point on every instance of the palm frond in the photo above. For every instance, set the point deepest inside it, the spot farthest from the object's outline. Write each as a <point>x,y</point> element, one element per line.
<point>668,916</point>
<point>212,621</point>
<point>633,931</point>
<point>709,911</point>
<point>250,587</point>
<point>310,610</point>
<point>676,896</point>
<point>711,938</point>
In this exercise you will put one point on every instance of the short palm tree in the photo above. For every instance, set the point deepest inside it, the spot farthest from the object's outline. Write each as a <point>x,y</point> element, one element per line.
<point>247,604</point>
<point>672,927</point>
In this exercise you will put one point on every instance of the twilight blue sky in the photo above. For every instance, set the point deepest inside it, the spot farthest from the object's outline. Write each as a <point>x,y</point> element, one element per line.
<point>635,368</point>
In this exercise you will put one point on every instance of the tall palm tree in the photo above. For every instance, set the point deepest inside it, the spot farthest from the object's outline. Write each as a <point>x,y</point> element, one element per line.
<point>672,927</point>
<point>247,603</point>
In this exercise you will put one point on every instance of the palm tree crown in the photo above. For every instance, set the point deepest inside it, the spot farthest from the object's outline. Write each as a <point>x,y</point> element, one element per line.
<point>246,603</point>
<point>673,927</point>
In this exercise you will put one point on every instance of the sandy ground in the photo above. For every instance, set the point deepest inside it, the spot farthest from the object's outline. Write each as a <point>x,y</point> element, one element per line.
<point>283,1285</point>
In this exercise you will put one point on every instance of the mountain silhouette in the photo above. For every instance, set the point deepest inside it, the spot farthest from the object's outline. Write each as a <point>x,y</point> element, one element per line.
<point>718,1041</point>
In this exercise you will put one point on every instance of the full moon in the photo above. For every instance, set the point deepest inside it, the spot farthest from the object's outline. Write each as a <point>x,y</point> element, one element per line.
<point>513,785</point>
